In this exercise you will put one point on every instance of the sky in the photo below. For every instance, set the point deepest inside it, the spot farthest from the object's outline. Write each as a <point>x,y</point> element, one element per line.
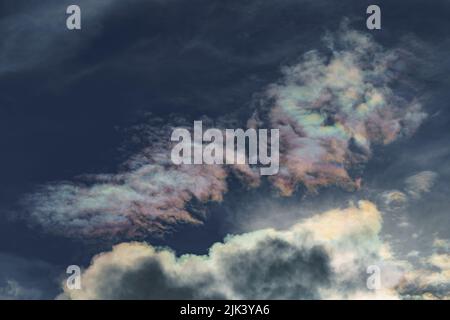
<point>85,123</point>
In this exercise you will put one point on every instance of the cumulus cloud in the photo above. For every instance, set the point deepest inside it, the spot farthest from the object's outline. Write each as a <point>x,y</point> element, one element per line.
<point>325,256</point>
<point>331,109</point>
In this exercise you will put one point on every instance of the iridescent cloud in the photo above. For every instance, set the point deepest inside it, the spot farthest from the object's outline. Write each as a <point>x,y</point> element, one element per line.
<point>149,197</point>
<point>331,109</point>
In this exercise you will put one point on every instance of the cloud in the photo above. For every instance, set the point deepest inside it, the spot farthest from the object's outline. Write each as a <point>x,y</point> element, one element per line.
<point>443,244</point>
<point>420,183</point>
<point>415,187</point>
<point>430,282</point>
<point>22,278</point>
<point>148,198</point>
<point>394,199</point>
<point>325,256</point>
<point>331,110</point>
<point>12,290</point>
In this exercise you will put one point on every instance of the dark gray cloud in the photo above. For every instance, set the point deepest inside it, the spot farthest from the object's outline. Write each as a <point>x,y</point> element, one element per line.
<point>321,257</point>
<point>265,273</point>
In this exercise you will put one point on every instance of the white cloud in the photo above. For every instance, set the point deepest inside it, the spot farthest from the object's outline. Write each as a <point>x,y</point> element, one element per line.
<point>325,256</point>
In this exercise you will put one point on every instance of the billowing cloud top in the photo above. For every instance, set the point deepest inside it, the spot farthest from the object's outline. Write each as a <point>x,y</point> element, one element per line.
<point>325,256</point>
